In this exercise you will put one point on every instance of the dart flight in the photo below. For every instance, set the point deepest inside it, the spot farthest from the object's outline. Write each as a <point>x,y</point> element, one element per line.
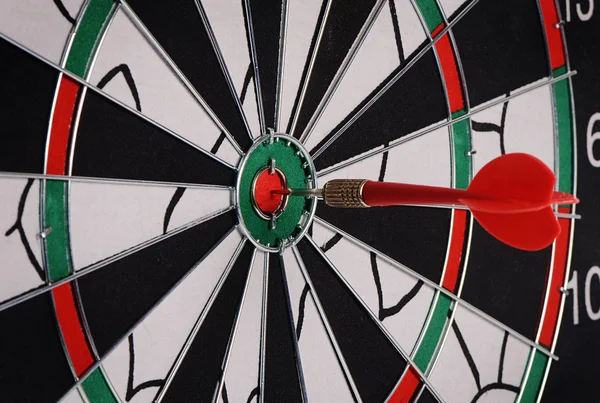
<point>511,197</point>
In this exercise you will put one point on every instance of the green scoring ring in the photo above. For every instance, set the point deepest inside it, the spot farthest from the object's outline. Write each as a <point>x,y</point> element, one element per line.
<point>295,163</point>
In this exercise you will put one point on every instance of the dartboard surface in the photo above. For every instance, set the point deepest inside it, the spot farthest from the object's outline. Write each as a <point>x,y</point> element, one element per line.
<point>138,263</point>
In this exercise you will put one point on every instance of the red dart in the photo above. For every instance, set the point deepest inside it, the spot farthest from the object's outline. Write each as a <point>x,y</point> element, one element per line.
<point>511,197</point>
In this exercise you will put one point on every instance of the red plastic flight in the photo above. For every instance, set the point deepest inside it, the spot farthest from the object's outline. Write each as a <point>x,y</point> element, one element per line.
<point>511,197</point>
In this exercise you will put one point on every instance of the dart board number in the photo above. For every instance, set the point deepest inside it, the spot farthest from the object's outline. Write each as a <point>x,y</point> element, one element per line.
<point>592,137</point>
<point>592,275</point>
<point>584,12</point>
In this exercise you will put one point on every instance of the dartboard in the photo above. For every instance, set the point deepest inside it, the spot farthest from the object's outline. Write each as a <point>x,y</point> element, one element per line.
<point>139,264</point>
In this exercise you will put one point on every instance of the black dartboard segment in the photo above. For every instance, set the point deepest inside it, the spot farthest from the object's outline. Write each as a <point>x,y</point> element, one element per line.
<point>505,282</point>
<point>178,27</point>
<point>282,383</point>
<point>344,21</point>
<point>414,102</point>
<point>502,48</point>
<point>266,21</point>
<point>31,85</point>
<point>128,147</point>
<point>426,397</point>
<point>30,352</point>
<point>398,232</point>
<point>375,365</point>
<point>116,296</point>
<point>200,371</point>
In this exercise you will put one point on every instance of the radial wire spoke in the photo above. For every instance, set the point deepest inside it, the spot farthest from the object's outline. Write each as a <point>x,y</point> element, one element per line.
<point>122,108</point>
<point>339,75</point>
<point>207,342</point>
<point>219,56</point>
<point>106,95</point>
<point>425,396</point>
<point>263,331</point>
<point>264,22</point>
<point>282,45</point>
<point>345,20</point>
<point>292,325</point>
<point>219,283</point>
<point>130,148</point>
<point>309,68</point>
<point>382,232</point>
<point>327,275</point>
<point>282,376</point>
<point>212,94</point>
<point>234,331</point>
<point>104,293</point>
<point>124,336</point>
<point>519,43</point>
<point>90,179</point>
<point>325,321</point>
<point>389,83</point>
<point>405,139</point>
<point>103,263</point>
<point>254,59</point>
<point>433,284</point>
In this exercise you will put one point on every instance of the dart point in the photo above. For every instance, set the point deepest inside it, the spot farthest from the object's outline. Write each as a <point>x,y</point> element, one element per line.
<point>264,195</point>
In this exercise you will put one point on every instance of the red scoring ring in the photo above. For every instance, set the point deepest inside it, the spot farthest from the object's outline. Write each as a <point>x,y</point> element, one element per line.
<point>265,183</point>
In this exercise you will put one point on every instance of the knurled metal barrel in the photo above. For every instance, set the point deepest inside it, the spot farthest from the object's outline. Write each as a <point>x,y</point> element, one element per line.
<point>345,193</point>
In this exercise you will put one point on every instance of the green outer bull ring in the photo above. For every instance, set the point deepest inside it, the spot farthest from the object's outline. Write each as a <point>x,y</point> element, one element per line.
<point>294,161</point>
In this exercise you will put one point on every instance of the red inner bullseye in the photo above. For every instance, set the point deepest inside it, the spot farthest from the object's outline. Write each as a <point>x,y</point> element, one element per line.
<point>266,182</point>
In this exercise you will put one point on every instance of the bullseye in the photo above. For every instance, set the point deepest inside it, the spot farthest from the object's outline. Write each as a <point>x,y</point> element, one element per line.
<point>271,221</point>
<point>265,183</point>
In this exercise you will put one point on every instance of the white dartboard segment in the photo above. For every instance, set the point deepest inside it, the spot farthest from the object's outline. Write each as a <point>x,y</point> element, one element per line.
<point>323,375</point>
<point>161,95</point>
<point>324,236</point>
<point>302,23</point>
<point>226,20</point>
<point>296,283</point>
<point>242,374</point>
<point>399,300</point>
<point>160,337</point>
<point>106,219</point>
<point>20,247</point>
<point>412,35</point>
<point>249,106</point>
<point>522,124</point>
<point>479,360</point>
<point>379,55</point>
<point>74,396</point>
<point>407,163</point>
<point>450,7</point>
<point>39,25</point>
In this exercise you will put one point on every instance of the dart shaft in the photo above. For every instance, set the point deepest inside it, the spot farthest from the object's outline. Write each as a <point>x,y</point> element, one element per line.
<point>359,193</point>
<point>299,192</point>
<point>511,197</point>
<point>393,194</point>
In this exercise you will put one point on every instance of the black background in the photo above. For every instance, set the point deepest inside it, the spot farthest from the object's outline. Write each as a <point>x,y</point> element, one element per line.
<point>575,377</point>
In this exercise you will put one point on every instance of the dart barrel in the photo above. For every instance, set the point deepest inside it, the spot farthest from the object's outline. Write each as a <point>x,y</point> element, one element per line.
<point>345,193</point>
